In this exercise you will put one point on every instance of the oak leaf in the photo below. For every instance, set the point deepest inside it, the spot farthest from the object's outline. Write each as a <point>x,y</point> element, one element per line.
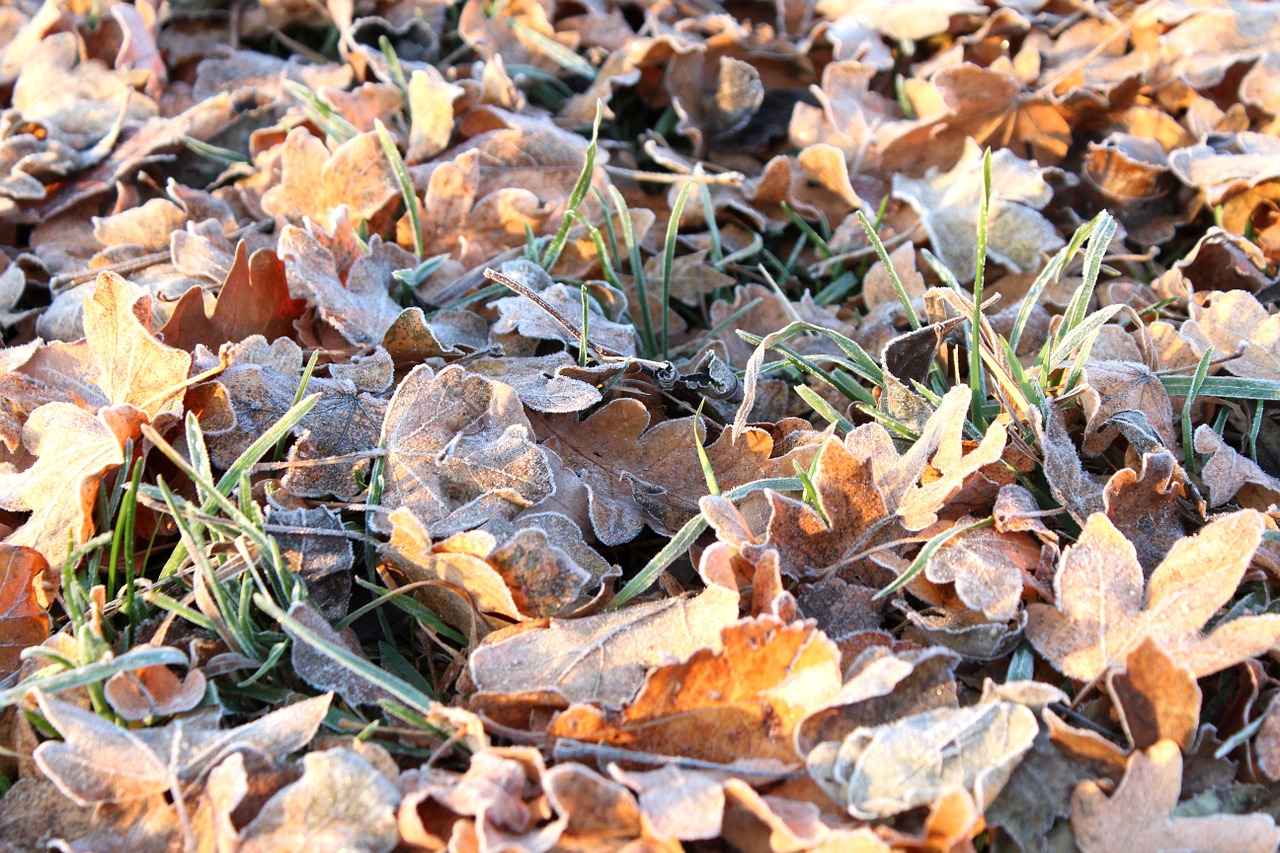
<point>600,659</point>
<point>314,181</point>
<point>339,803</point>
<point>637,473</point>
<point>73,450</point>
<point>887,769</point>
<point>254,300</point>
<point>739,702</point>
<point>134,367</point>
<point>1101,611</point>
<point>459,451</point>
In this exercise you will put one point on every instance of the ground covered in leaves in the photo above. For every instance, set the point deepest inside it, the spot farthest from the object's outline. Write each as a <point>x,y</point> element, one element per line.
<point>510,425</point>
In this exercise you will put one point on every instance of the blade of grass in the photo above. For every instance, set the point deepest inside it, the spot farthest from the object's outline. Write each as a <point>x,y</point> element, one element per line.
<point>685,537</point>
<point>894,278</point>
<point>668,258</point>
<point>1202,370</point>
<point>407,193</point>
<point>579,192</point>
<point>977,383</point>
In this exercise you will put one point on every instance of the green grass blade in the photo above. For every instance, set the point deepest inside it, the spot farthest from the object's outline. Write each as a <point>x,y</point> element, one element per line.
<point>685,537</point>
<point>894,278</point>
<point>576,196</point>
<point>1197,381</point>
<point>407,193</point>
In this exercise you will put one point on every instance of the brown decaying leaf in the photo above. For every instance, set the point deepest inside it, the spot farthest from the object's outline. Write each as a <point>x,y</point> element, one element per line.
<point>600,659</point>
<point>740,702</point>
<point>459,451</point>
<point>23,622</point>
<point>883,770</point>
<point>1158,698</point>
<point>1138,816</point>
<point>1102,609</point>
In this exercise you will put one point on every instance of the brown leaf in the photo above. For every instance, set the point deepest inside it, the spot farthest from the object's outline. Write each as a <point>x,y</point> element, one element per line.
<point>1101,612</point>
<point>340,803</point>
<point>1116,386</point>
<point>23,622</point>
<point>321,671</point>
<point>850,499</point>
<point>600,659</point>
<point>884,770</point>
<point>639,473</point>
<point>254,300</point>
<point>313,182</point>
<point>73,450</point>
<point>1147,506</point>
<point>459,451</point>
<point>135,368</point>
<point>1236,322</point>
<point>1230,475</point>
<point>988,568</point>
<point>1139,815</point>
<point>948,205</point>
<point>154,691</point>
<point>741,701</point>
<point>1158,698</point>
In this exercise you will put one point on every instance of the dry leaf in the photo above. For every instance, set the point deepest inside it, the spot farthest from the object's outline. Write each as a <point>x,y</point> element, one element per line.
<point>738,702</point>
<point>459,451</point>
<point>340,803</point>
<point>1157,697</point>
<point>884,770</point>
<point>1138,816</point>
<point>1101,612</point>
<point>600,659</point>
<point>948,204</point>
<point>23,622</point>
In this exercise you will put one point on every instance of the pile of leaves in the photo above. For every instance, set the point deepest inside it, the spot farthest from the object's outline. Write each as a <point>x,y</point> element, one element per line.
<point>526,426</point>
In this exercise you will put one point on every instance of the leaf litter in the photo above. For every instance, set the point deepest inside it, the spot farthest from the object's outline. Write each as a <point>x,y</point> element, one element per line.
<point>519,426</point>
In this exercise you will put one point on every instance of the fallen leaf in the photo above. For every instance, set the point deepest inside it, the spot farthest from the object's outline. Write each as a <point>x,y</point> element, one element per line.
<point>323,672</point>
<point>135,368</point>
<point>340,803</point>
<point>599,659</point>
<point>948,205</point>
<point>154,691</point>
<point>23,622</point>
<point>459,451</point>
<point>1157,697</point>
<point>254,300</point>
<point>884,770</point>
<point>738,702</point>
<point>1101,611</point>
<point>1138,816</point>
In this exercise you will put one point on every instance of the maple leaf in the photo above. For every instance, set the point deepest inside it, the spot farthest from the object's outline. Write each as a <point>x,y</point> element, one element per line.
<point>948,204</point>
<point>1101,611</point>
<point>1139,815</point>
